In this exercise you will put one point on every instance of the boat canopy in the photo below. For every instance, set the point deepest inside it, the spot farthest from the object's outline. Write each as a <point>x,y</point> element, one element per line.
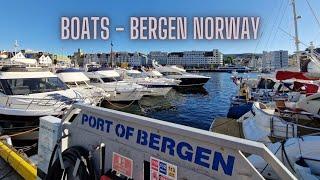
<point>131,71</point>
<point>25,75</point>
<point>284,75</point>
<point>73,77</point>
<point>108,73</point>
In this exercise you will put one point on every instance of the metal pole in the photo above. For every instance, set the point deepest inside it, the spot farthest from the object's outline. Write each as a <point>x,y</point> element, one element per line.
<point>295,17</point>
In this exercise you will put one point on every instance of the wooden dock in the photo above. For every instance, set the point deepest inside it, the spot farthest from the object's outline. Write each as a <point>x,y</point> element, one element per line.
<point>7,172</point>
<point>227,126</point>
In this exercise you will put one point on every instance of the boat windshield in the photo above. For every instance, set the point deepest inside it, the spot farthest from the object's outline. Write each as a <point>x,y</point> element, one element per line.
<point>26,86</point>
<point>110,79</point>
<point>136,75</point>
<point>77,84</point>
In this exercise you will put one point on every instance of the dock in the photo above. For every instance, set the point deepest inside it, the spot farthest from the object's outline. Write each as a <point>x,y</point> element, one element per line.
<point>227,126</point>
<point>14,165</point>
<point>7,172</point>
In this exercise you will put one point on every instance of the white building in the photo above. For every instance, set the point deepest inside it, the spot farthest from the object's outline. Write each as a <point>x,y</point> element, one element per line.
<point>160,57</point>
<point>175,58</point>
<point>275,60</point>
<point>196,58</point>
<point>137,59</point>
<point>45,60</point>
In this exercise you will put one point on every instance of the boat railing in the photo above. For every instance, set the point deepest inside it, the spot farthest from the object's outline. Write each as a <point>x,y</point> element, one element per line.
<point>291,127</point>
<point>56,103</point>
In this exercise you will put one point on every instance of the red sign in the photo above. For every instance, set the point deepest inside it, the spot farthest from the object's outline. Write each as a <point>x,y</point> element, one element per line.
<point>122,164</point>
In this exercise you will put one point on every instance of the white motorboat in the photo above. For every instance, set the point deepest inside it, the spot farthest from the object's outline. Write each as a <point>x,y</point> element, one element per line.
<point>120,91</point>
<point>282,119</point>
<point>27,93</point>
<point>78,81</point>
<point>158,86</point>
<point>187,79</point>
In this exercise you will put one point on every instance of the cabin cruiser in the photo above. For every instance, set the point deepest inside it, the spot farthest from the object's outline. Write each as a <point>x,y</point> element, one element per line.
<point>187,79</point>
<point>78,81</point>
<point>158,86</point>
<point>27,93</point>
<point>120,91</point>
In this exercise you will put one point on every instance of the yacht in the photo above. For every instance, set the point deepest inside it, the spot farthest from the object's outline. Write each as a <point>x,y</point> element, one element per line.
<point>78,81</point>
<point>120,91</point>
<point>158,86</point>
<point>187,79</point>
<point>27,93</point>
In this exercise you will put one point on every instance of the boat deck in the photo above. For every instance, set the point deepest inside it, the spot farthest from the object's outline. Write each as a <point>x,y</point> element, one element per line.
<point>227,126</point>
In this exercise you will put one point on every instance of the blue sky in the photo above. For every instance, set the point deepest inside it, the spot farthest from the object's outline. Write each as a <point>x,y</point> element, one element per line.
<point>36,24</point>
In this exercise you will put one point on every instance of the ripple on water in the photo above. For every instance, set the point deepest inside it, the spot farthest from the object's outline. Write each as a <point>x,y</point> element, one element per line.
<point>197,108</point>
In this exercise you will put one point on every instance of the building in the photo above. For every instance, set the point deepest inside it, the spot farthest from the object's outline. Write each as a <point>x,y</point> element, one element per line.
<point>138,59</point>
<point>205,59</point>
<point>44,60</point>
<point>189,59</point>
<point>160,57</point>
<point>275,60</point>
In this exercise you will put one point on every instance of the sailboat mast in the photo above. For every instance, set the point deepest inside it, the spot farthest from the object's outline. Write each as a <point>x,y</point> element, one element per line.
<point>295,18</point>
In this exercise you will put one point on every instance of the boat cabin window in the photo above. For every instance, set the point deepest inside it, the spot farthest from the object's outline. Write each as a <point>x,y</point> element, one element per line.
<point>266,84</point>
<point>71,84</point>
<point>76,84</point>
<point>81,83</point>
<point>33,85</point>
<point>136,75</point>
<point>111,79</point>
<point>171,73</point>
<point>94,80</point>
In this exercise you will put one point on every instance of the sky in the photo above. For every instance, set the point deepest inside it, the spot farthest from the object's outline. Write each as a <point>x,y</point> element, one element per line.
<point>36,24</point>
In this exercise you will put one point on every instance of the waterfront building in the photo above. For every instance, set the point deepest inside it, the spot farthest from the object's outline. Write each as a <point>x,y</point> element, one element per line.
<point>275,60</point>
<point>122,57</point>
<point>189,59</point>
<point>44,60</point>
<point>159,56</point>
<point>138,59</point>
<point>175,58</point>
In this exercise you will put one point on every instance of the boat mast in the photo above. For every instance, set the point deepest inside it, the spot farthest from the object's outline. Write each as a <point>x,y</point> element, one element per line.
<point>16,45</point>
<point>111,54</point>
<point>295,18</point>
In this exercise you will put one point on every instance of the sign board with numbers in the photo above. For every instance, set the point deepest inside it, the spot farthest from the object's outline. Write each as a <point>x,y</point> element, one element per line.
<point>161,170</point>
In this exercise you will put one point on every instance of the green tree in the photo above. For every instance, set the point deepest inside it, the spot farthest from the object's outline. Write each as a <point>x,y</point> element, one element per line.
<point>228,60</point>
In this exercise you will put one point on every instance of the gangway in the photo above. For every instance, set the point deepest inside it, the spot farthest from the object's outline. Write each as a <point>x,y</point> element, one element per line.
<point>135,147</point>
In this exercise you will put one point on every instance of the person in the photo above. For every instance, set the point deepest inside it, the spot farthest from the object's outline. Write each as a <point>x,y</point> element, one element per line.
<point>244,92</point>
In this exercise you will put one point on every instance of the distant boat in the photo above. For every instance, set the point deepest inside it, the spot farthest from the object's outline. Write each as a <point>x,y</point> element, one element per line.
<point>233,68</point>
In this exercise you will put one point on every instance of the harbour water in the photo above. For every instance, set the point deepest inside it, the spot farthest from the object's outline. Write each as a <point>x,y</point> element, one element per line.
<point>191,107</point>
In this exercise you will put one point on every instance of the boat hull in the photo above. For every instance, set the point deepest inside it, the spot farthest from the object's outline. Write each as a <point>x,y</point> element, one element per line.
<point>192,82</point>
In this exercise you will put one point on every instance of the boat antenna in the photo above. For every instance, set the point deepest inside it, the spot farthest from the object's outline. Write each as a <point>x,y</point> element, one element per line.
<point>295,18</point>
